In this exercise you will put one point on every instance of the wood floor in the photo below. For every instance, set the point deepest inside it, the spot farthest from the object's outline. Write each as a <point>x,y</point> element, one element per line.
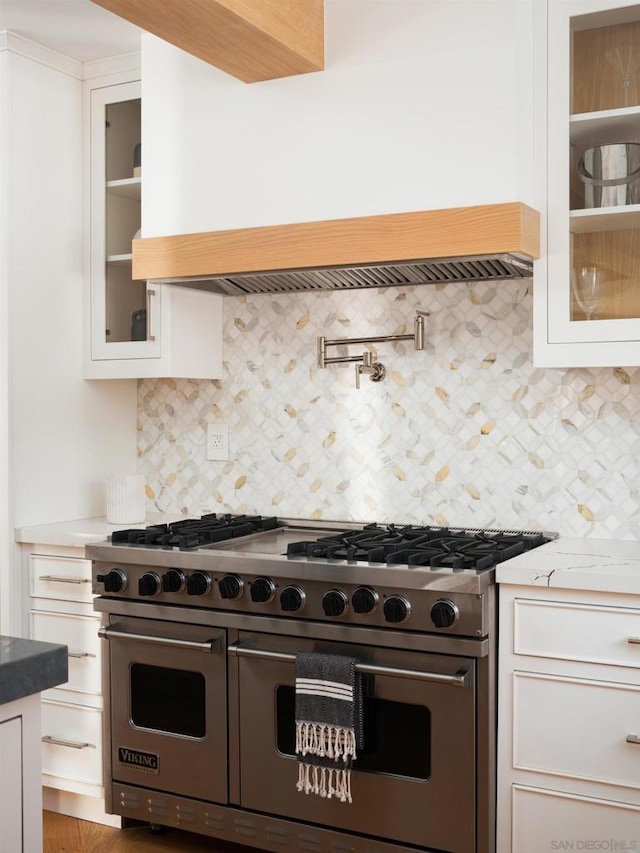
<point>67,835</point>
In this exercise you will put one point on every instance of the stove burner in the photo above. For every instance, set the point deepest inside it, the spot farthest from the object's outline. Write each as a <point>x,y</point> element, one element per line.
<point>191,533</point>
<point>434,547</point>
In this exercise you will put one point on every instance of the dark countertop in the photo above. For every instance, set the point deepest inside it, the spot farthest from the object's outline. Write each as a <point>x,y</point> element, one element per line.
<point>30,666</point>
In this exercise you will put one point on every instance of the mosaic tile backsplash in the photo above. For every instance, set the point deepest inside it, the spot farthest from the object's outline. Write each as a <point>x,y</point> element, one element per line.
<point>466,432</point>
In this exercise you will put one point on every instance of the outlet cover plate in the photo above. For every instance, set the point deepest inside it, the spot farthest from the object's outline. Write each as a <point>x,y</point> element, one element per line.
<point>218,441</point>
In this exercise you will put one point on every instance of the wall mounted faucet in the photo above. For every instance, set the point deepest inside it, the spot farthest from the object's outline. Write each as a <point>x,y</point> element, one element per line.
<point>365,365</point>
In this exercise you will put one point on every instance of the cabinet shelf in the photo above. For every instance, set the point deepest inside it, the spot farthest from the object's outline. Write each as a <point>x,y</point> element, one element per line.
<point>126,188</point>
<point>605,219</point>
<point>120,260</point>
<point>605,126</point>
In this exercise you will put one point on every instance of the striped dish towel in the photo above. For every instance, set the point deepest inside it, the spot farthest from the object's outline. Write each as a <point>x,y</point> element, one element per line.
<point>329,726</point>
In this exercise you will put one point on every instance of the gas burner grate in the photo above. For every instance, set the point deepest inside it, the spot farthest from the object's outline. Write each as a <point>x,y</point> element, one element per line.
<point>433,547</point>
<point>191,533</point>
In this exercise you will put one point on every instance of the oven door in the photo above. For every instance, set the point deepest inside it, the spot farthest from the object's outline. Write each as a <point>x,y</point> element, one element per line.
<point>414,782</point>
<point>168,707</point>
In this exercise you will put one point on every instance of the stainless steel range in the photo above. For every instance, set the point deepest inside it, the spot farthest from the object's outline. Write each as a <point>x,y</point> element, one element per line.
<point>203,621</point>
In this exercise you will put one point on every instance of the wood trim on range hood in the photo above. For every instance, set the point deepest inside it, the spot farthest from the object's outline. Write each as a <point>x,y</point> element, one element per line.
<point>400,248</point>
<point>252,40</point>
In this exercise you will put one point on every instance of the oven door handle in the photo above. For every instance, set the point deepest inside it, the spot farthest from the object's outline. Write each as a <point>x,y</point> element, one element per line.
<point>108,633</point>
<point>462,678</point>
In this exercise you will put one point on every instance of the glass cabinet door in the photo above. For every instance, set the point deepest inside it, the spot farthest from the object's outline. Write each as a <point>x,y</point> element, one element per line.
<point>605,169</point>
<point>124,313</point>
<point>594,171</point>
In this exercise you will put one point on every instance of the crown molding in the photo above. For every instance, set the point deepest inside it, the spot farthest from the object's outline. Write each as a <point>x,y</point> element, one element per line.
<point>14,43</point>
<point>126,63</point>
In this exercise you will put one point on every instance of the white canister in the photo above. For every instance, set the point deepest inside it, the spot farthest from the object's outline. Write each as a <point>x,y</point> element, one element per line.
<point>125,499</point>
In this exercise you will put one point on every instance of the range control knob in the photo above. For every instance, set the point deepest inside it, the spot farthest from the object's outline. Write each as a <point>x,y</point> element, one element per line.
<point>262,590</point>
<point>198,583</point>
<point>149,584</point>
<point>364,599</point>
<point>396,608</point>
<point>444,613</point>
<point>230,586</point>
<point>115,580</point>
<point>173,581</point>
<point>335,603</point>
<point>292,598</point>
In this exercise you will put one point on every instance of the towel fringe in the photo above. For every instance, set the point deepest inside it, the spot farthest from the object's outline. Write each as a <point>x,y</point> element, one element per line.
<point>325,781</point>
<point>320,739</point>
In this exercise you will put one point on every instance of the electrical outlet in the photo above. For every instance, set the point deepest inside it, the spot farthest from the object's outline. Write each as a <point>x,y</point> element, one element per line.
<point>217,441</point>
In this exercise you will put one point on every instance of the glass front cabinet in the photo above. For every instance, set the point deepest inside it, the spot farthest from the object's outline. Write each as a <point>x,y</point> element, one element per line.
<point>135,329</point>
<point>587,283</point>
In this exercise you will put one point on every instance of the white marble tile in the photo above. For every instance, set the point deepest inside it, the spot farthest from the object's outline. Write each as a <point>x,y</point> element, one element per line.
<point>466,432</point>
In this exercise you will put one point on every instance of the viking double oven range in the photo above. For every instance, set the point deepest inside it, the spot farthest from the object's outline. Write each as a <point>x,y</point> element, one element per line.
<point>202,621</point>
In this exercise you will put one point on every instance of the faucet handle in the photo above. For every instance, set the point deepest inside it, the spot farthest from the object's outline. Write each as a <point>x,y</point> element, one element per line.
<point>378,372</point>
<point>373,369</point>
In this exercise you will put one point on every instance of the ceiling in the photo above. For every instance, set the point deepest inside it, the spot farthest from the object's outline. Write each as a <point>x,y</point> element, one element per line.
<point>77,28</point>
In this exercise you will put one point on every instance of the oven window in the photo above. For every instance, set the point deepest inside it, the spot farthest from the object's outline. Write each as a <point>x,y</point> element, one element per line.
<point>397,735</point>
<point>168,700</point>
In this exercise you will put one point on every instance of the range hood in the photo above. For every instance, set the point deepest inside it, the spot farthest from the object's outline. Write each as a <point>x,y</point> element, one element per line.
<point>464,244</point>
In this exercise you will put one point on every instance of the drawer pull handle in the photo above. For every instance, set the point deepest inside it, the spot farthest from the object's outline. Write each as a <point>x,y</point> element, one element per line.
<point>80,655</point>
<point>634,640</point>
<point>57,579</point>
<point>72,744</point>
<point>633,739</point>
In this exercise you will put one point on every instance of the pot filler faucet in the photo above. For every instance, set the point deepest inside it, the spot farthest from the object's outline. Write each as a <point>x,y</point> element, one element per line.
<point>365,365</point>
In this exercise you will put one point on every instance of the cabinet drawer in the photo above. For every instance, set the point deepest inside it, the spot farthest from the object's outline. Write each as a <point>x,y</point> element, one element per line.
<point>580,632</point>
<point>67,578</point>
<point>72,742</point>
<point>80,634</point>
<point>549,820</point>
<point>579,730</point>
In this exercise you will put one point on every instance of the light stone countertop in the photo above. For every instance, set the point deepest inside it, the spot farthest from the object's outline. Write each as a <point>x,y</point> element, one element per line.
<point>604,565</point>
<point>82,531</point>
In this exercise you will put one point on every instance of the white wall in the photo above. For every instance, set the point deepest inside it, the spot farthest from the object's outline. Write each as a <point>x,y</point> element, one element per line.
<point>421,105</point>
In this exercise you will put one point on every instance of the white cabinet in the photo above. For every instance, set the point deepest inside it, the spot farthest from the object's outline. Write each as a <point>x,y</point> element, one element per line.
<point>134,328</point>
<point>586,286</point>
<point>11,785</point>
<point>60,610</point>
<point>569,720</point>
<point>20,791</point>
